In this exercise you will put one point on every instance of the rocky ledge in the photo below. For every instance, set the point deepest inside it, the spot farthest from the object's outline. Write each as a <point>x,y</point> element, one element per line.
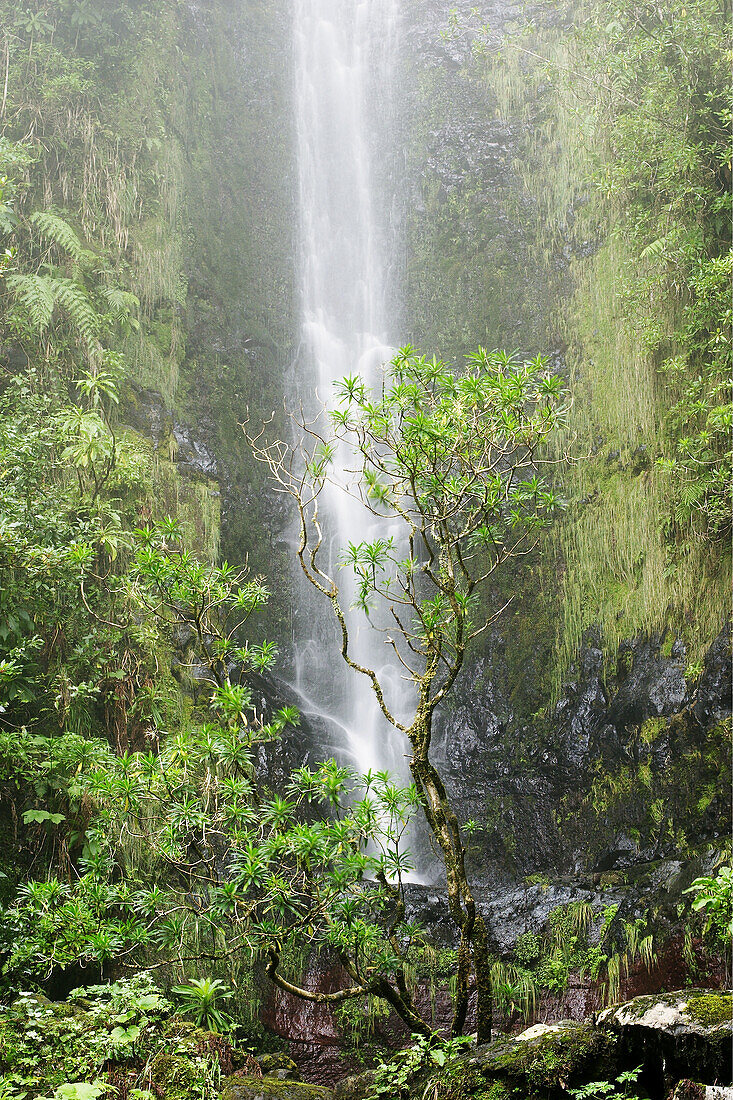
<point>684,1034</point>
<point>681,1042</point>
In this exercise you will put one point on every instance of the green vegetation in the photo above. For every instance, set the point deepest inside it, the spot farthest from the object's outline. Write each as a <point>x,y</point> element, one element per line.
<point>202,998</point>
<point>618,1089</point>
<point>605,195</point>
<point>135,830</point>
<point>393,1079</point>
<point>53,1048</point>
<point>590,942</point>
<point>713,901</point>
<point>452,459</point>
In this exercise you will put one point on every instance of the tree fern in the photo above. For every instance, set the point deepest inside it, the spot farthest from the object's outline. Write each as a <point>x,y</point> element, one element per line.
<point>59,232</point>
<point>36,294</point>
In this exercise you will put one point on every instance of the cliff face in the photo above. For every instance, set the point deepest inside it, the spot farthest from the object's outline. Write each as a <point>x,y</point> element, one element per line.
<point>585,736</point>
<point>622,773</point>
<point>590,733</point>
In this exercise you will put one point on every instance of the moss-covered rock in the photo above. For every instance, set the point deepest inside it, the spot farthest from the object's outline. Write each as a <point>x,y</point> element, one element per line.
<point>278,1066</point>
<point>699,1011</point>
<point>542,1062</point>
<point>682,1034</point>
<point>173,1074</point>
<point>356,1087</point>
<point>711,1009</point>
<point>242,1087</point>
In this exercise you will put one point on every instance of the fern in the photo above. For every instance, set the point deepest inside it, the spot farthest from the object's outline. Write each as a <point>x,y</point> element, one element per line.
<point>37,296</point>
<point>655,249</point>
<point>82,314</point>
<point>59,232</point>
<point>690,493</point>
<point>8,220</point>
<point>122,303</point>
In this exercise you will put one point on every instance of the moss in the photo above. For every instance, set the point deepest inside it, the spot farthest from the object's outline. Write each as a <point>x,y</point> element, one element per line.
<point>710,1009</point>
<point>652,729</point>
<point>268,1063</point>
<point>530,1068</point>
<point>174,1076</point>
<point>465,1087</point>
<point>241,1087</point>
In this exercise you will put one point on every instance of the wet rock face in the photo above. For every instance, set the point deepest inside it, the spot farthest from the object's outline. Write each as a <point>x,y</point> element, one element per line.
<point>712,699</point>
<point>192,455</point>
<point>569,793</point>
<point>147,413</point>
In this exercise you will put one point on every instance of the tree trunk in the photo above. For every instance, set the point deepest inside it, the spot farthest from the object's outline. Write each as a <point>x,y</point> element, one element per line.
<point>444,826</point>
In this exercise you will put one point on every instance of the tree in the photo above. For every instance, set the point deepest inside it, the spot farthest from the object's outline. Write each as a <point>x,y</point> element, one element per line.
<point>453,458</point>
<point>235,855</point>
<point>231,872</point>
<point>189,854</point>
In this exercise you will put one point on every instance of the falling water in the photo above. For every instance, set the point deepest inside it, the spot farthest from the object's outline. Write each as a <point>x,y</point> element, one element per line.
<point>345,52</point>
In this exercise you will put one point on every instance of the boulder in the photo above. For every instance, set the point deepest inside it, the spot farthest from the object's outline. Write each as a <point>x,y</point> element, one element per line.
<point>278,1066</point>
<point>242,1087</point>
<point>542,1061</point>
<point>686,1034</point>
<point>354,1088</point>
<point>546,1058</point>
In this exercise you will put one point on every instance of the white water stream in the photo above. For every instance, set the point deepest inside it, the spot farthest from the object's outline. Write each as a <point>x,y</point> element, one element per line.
<point>345,55</point>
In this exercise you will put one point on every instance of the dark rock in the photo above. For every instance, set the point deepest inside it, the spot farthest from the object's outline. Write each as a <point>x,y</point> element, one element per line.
<point>676,1035</point>
<point>713,696</point>
<point>354,1088</point>
<point>532,777</point>
<point>193,456</point>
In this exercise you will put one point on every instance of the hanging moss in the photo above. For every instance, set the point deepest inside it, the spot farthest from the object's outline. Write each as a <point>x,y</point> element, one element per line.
<point>503,156</point>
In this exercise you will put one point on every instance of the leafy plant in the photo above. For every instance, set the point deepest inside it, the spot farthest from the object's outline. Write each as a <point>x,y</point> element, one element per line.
<point>202,998</point>
<point>713,899</point>
<point>393,1078</point>
<point>618,1089</point>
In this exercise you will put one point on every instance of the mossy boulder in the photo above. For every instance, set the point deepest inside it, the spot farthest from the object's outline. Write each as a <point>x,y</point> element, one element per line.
<point>242,1087</point>
<point>278,1066</point>
<point>173,1075</point>
<point>541,1062</point>
<point>686,1034</point>
<point>356,1087</point>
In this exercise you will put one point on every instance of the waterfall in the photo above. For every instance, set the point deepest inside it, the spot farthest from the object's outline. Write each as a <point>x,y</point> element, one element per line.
<point>345,53</point>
